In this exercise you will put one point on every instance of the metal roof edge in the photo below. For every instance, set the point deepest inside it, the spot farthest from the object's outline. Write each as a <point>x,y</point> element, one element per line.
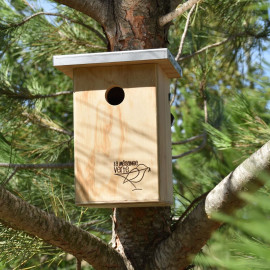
<point>70,61</point>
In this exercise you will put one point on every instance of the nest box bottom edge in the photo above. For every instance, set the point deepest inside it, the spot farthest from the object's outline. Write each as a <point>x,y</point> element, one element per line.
<point>125,204</point>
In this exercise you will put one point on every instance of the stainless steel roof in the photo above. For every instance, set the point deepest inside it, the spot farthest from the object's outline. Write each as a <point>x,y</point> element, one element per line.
<point>163,57</point>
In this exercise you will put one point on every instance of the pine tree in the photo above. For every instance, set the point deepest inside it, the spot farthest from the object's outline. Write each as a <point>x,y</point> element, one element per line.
<point>221,117</point>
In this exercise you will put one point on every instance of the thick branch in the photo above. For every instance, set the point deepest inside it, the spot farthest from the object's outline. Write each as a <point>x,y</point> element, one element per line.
<point>58,232</point>
<point>177,12</point>
<point>93,8</point>
<point>192,233</point>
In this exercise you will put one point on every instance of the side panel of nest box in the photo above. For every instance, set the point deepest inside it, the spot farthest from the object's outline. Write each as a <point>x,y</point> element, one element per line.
<point>122,152</point>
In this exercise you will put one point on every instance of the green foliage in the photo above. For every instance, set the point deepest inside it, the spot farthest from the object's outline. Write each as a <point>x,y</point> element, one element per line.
<point>244,243</point>
<point>39,130</point>
<point>233,81</point>
<point>35,129</point>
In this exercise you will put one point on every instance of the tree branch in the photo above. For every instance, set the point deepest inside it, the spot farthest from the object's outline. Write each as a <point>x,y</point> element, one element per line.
<point>184,34</point>
<point>206,48</point>
<point>46,123</point>
<point>196,228</point>
<point>37,166</point>
<point>31,97</point>
<point>10,177</point>
<point>191,139</point>
<point>191,206</point>
<point>177,12</point>
<point>93,8</point>
<point>247,33</point>
<point>58,232</point>
<point>81,42</point>
<point>93,227</point>
<point>62,16</point>
<point>194,150</point>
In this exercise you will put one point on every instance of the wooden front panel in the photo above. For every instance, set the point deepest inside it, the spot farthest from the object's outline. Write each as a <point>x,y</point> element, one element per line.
<point>116,147</point>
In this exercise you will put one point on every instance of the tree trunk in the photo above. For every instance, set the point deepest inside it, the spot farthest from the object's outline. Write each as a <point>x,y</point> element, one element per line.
<point>136,25</point>
<point>137,230</point>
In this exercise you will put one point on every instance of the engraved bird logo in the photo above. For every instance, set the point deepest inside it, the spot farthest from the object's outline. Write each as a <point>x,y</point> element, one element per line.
<point>135,175</point>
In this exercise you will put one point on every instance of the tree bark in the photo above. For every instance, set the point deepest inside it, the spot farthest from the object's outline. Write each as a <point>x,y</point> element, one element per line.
<point>129,24</point>
<point>177,12</point>
<point>136,25</point>
<point>96,9</point>
<point>84,246</point>
<point>137,231</point>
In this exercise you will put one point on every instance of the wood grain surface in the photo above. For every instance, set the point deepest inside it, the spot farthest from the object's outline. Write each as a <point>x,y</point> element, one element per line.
<point>122,151</point>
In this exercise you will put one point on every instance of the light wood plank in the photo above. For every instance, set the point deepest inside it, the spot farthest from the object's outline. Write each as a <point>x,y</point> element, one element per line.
<point>164,137</point>
<point>105,134</point>
<point>137,130</point>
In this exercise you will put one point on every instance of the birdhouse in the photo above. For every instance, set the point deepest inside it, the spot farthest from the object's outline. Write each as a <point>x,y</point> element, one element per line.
<point>122,129</point>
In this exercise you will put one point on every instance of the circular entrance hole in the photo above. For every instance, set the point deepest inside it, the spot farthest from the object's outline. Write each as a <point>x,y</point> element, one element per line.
<point>115,95</point>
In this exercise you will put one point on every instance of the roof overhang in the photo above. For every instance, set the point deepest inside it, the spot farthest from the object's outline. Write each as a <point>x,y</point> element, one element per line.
<point>162,57</point>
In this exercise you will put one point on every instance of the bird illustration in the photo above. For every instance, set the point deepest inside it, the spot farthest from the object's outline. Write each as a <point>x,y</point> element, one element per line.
<point>135,176</point>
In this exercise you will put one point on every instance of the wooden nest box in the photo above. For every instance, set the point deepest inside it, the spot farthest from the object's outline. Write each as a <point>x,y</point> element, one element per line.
<point>122,131</point>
